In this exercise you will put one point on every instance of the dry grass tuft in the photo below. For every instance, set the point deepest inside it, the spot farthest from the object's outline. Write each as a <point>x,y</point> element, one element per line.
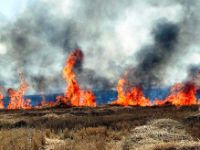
<point>91,138</point>
<point>189,145</point>
<point>21,139</point>
<point>156,132</point>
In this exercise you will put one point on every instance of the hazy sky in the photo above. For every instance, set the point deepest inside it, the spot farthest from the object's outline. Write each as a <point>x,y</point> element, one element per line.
<point>11,8</point>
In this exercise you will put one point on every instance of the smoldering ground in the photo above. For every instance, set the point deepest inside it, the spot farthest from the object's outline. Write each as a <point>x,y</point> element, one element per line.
<point>112,35</point>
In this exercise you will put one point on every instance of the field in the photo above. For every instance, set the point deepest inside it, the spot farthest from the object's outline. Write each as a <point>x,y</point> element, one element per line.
<point>101,128</point>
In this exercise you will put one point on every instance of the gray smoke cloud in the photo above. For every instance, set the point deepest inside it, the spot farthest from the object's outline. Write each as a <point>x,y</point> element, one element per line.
<point>153,58</point>
<point>113,35</point>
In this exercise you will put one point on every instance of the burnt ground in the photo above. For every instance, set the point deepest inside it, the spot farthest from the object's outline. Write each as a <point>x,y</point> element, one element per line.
<point>105,127</point>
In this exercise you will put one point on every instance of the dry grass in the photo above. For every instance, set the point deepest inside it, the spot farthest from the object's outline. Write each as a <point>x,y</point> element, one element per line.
<point>21,139</point>
<point>90,138</point>
<point>189,145</point>
<point>160,134</point>
<point>101,128</point>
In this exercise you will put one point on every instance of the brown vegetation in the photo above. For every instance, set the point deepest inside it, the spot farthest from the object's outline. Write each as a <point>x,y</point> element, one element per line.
<point>106,127</point>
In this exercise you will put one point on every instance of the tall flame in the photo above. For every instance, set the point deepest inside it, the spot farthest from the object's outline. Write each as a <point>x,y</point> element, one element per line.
<point>180,95</point>
<point>133,97</point>
<point>73,93</point>
<point>16,96</point>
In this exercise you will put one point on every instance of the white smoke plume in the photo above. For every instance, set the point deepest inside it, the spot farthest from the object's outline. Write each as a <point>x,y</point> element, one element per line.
<point>110,33</point>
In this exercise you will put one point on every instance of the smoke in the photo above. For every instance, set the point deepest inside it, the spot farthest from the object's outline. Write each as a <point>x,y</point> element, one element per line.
<point>87,77</point>
<point>159,40</point>
<point>188,53</point>
<point>173,52</point>
<point>194,75</point>
<point>154,58</point>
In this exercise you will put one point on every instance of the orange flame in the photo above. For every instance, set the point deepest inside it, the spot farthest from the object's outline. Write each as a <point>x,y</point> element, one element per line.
<point>1,100</point>
<point>198,102</point>
<point>73,93</point>
<point>16,96</point>
<point>44,103</point>
<point>27,104</point>
<point>180,95</point>
<point>134,97</point>
<point>88,99</point>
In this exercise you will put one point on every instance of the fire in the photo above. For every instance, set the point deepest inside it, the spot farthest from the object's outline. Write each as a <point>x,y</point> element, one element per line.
<point>16,96</point>
<point>180,95</point>
<point>133,97</point>
<point>1,100</point>
<point>74,95</point>
<point>27,104</point>
<point>44,103</point>
<point>88,99</point>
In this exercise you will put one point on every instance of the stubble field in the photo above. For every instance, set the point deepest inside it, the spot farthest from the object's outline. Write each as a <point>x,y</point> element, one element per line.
<point>101,128</point>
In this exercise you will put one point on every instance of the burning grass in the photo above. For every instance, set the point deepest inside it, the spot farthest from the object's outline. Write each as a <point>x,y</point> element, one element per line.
<point>106,127</point>
<point>181,94</point>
